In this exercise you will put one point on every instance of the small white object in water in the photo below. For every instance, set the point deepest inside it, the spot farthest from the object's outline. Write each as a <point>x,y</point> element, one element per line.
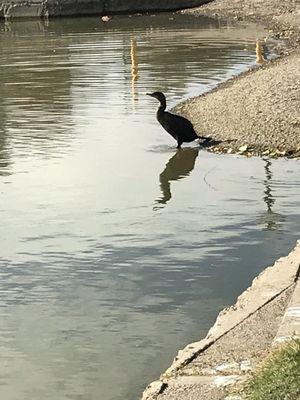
<point>106,18</point>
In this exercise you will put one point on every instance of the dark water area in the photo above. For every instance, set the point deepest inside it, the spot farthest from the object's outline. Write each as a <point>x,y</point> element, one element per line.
<point>117,249</point>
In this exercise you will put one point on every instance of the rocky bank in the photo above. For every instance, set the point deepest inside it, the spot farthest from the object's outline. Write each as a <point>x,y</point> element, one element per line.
<point>256,113</point>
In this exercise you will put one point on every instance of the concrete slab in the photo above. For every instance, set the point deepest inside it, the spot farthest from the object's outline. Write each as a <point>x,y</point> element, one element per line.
<point>269,284</point>
<point>228,360</point>
<point>242,334</point>
<point>238,351</point>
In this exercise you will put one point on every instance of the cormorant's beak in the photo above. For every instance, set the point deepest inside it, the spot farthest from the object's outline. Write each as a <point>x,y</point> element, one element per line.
<point>150,94</point>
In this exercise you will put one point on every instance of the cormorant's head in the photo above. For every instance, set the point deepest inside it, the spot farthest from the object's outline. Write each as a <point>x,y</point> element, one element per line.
<point>158,95</point>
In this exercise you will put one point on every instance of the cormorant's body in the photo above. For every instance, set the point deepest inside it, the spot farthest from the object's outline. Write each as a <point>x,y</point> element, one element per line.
<point>179,127</point>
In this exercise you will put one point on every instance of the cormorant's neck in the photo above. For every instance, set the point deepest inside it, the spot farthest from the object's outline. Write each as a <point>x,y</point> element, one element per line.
<point>162,106</point>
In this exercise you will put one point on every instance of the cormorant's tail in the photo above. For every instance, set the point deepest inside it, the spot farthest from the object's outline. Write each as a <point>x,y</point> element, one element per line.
<point>205,139</point>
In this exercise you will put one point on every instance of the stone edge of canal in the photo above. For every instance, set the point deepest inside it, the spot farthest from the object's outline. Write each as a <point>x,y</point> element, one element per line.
<point>266,289</point>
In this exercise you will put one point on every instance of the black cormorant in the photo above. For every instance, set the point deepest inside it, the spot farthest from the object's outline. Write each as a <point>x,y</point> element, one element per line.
<point>179,127</point>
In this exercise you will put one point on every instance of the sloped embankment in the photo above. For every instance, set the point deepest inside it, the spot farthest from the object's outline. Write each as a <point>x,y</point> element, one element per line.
<point>258,112</point>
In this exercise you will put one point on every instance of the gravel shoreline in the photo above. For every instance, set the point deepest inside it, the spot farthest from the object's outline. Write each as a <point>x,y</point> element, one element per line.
<point>256,113</point>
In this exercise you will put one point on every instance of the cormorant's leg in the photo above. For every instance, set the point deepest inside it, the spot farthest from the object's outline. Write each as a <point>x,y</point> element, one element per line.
<point>179,143</point>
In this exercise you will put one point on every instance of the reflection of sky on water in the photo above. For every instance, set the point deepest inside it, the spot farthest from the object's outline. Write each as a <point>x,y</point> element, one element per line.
<point>116,250</point>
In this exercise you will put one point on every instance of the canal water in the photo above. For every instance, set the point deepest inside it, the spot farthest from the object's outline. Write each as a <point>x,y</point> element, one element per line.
<point>117,250</point>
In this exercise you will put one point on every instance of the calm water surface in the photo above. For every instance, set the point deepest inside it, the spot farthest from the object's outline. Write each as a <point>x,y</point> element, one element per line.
<point>116,250</point>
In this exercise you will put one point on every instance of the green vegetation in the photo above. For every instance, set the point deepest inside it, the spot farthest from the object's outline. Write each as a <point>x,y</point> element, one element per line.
<point>279,376</point>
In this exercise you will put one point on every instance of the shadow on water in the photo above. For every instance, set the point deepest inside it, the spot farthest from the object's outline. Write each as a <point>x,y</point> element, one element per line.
<point>271,219</point>
<point>179,166</point>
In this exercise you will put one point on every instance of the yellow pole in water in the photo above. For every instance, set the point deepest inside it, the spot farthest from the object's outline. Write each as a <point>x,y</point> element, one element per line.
<point>260,59</point>
<point>134,68</point>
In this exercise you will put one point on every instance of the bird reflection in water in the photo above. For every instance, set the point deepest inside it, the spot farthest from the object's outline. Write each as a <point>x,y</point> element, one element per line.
<point>271,219</point>
<point>178,167</point>
<point>134,68</point>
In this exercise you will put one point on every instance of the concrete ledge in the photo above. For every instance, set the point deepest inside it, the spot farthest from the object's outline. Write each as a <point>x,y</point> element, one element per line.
<point>268,286</point>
